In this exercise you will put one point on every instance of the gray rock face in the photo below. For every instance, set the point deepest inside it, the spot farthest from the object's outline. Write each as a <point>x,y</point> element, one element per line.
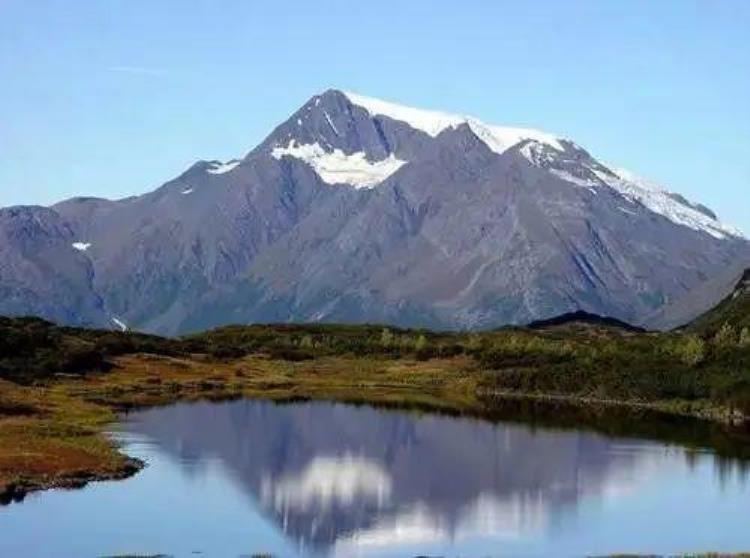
<point>361,211</point>
<point>698,300</point>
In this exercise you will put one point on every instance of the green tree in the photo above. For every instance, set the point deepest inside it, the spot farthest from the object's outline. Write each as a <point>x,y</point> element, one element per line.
<point>475,342</point>
<point>693,350</point>
<point>420,343</point>
<point>726,335</point>
<point>745,337</point>
<point>386,337</point>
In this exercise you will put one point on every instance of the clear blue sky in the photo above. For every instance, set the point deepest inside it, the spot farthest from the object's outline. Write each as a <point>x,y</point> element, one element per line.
<point>114,97</point>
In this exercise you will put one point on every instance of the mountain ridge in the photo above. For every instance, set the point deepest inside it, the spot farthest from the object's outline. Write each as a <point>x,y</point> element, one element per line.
<point>346,214</point>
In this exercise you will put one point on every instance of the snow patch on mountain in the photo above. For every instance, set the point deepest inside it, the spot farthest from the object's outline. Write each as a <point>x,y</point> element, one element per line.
<point>588,173</point>
<point>538,153</point>
<point>501,138</point>
<point>330,123</point>
<point>593,175</point>
<point>81,246</point>
<point>337,167</point>
<point>430,122</point>
<point>569,177</point>
<point>497,138</point>
<point>222,168</point>
<point>119,323</point>
<point>661,201</point>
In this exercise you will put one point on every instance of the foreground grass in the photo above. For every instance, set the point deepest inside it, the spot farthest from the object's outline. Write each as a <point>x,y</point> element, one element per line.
<point>53,439</point>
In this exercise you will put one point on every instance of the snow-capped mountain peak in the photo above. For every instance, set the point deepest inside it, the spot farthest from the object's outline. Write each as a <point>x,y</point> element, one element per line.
<point>498,138</point>
<point>359,210</point>
<point>430,122</point>
<point>355,148</point>
<point>351,147</point>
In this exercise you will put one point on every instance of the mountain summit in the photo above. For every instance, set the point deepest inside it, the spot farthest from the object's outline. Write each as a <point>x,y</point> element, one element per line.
<point>357,209</point>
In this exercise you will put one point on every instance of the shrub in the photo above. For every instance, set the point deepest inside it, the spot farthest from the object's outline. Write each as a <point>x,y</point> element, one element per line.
<point>744,340</point>
<point>420,343</point>
<point>450,350</point>
<point>79,361</point>
<point>386,338</point>
<point>292,354</point>
<point>725,336</point>
<point>692,350</point>
<point>740,397</point>
<point>306,342</point>
<point>475,342</point>
<point>227,353</point>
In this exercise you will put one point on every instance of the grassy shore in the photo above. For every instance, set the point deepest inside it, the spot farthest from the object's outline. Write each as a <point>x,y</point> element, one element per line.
<point>51,434</point>
<point>60,388</point>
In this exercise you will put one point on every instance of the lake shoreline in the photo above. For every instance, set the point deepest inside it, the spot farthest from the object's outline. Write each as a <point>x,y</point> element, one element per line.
<point>17,491</point>
<point>68,417</point>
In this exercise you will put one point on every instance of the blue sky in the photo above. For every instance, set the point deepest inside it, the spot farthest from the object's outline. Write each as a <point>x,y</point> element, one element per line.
<point>114,97</point>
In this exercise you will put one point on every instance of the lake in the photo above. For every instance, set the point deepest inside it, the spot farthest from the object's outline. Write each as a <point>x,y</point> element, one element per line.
<point>323,479</point>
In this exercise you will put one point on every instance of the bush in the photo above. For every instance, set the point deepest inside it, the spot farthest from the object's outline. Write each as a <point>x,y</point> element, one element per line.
<point>292,354</point>
<point>386,338</point>
<point>725,336</point>
<point>740,397</point>
<point>691,350</point>
<point>525,350</point>
<point>227,353</point>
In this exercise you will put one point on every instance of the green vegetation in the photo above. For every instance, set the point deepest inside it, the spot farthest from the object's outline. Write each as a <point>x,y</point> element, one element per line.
<point>32,349</point>
<point>690,371</point>
<point>682,368</point>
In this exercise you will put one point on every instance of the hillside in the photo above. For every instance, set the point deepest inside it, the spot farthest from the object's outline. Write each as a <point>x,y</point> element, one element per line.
<point>699,300</point>
<point>33,349</point>
<point>584,321</point>
<point>732,312</point>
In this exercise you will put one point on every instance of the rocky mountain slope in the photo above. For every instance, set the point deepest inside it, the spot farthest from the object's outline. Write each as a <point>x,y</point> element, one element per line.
<point>700,300</point>
<point>358,210</point>
<point>732,312</point>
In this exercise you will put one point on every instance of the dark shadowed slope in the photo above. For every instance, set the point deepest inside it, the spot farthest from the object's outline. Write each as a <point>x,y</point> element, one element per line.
<point>733,311</point>
<point>700,299</point>
<point>583,319</point>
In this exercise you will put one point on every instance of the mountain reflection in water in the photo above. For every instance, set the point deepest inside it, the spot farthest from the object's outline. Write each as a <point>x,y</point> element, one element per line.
<point>352,479</point>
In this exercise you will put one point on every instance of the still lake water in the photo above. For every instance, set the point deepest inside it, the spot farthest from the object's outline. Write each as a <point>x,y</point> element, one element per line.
<point>320,479</point>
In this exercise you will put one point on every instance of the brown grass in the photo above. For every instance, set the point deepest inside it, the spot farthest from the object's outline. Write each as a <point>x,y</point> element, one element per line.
<point>52,434</point>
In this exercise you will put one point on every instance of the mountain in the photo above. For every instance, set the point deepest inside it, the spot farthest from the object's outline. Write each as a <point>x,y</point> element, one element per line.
<point>356,209</point>
<point>584,321</point>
